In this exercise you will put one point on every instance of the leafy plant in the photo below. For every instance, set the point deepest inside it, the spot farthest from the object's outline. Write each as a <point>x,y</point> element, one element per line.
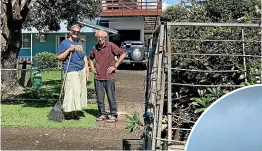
<point>133,122</point>
<point>46,60</point>
<point>253,73</point>
<point>207,97</point>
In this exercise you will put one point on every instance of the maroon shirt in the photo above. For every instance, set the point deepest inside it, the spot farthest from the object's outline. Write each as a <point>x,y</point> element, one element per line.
<point>105,58</point>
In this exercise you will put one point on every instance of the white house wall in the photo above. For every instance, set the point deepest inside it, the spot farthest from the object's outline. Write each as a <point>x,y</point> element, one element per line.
<point>128,23</point>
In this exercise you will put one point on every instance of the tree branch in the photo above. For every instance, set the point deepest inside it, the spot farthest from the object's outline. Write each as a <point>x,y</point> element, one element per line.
<point>24,13</point>
<point>22,4</point>
<point>13,3</point>
<point>8,12</point>
<point>31,3</point>
<point>16,10</point>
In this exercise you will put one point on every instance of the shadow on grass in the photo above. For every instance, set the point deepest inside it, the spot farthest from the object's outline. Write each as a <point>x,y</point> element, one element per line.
<point>52,83</point>
<point>35,104</point>
<point>89,83</point>
<point>93,112</point>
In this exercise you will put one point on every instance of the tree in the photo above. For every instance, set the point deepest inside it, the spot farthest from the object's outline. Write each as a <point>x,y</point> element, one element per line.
<point>44,15</point>
<point>187,100</point>
<point>215,11</point>
<point>232,10</point>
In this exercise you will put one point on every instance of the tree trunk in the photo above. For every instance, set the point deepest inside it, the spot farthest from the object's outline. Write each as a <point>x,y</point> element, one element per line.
<point>9,60</point>
<point>10,46</point>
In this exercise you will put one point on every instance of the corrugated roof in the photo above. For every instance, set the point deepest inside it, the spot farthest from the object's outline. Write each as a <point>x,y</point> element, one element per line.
<point>97,27</point>
<point>63,27</point>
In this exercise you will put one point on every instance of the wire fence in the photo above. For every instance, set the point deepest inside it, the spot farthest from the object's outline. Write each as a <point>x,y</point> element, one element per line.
<point>192,65</point>
<point>38,84</point>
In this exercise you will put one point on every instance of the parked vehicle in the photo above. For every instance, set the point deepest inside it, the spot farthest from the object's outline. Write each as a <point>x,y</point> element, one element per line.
<point>136,53</point>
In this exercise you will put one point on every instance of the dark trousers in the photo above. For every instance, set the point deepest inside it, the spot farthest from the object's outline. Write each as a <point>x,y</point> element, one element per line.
<point>107,86</point>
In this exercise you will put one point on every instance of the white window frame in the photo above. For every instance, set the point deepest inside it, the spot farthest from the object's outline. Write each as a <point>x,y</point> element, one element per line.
<point>29,40</point>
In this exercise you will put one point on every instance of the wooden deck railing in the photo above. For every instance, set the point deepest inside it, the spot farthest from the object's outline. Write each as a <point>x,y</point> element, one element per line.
<point>114,8</point>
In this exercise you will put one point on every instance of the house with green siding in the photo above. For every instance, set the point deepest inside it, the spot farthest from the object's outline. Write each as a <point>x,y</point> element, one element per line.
<point>33,42</point>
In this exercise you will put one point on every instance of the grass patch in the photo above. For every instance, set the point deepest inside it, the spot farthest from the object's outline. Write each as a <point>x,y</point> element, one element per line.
<point>28,115</point>
<point>49,76</point>
<point>34,113</point>
<point>51,86</point>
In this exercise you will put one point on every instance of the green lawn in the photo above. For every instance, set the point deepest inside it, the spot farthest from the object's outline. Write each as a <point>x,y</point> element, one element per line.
<point>34,113</point>
<point>51,86</point>
<point>50,76</point>
<point>32,116</point>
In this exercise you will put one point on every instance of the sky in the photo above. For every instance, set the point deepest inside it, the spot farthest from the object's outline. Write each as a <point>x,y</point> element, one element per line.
<point>171,2</point>
<point>167,3</point>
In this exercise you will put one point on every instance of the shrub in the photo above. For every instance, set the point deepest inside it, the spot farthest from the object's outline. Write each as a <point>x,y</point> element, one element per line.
<point>46,60</point>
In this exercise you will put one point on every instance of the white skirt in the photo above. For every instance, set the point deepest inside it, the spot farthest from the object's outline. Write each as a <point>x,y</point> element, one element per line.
<point>75,91</point>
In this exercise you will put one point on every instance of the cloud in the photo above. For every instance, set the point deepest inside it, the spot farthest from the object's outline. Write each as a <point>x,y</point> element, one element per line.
<point>165,6</point>
<point>154,5</point>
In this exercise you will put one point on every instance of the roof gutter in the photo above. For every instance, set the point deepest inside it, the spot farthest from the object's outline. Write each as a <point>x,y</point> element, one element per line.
<point>97,27</point>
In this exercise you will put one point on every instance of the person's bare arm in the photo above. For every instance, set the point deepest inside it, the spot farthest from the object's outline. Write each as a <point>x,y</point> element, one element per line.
<point>92,67</point>
<point>120,59</point>
<point>63,55</point>
<point>87,68</point>
<point>117,52</point>
<point>91,58</point>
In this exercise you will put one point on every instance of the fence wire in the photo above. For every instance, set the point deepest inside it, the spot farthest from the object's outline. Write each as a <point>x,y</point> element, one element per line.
<point>202,62</point>
<point>38,84</point>
<point>35,83</point>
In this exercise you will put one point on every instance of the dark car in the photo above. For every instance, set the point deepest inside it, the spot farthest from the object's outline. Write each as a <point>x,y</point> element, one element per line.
<point>136,53</point>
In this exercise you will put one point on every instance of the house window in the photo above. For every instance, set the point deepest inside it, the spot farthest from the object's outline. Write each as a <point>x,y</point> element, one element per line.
<point>26,40</point>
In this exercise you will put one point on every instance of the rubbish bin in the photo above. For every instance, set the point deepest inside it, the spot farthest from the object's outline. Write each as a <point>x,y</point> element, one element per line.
<point>24,73</point>
<point>37,79</point>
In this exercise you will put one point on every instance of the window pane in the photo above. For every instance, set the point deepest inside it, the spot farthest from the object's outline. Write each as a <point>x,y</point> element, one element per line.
<point>26,41</point>
<point>26,44</point>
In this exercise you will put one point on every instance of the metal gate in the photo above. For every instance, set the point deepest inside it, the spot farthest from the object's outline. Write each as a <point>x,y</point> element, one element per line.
<point>191,58</point>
